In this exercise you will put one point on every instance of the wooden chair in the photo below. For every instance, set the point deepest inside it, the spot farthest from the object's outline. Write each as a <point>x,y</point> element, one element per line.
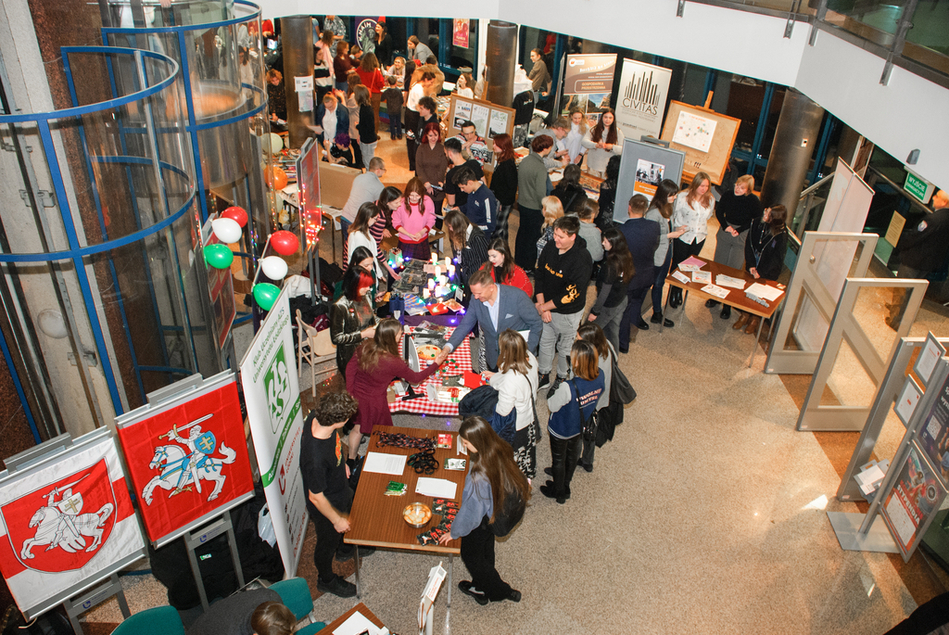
<point>316,348</point>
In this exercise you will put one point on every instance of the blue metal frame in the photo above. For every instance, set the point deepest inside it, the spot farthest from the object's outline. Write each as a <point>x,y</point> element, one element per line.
<point>15,376</point>
<point>192,125</point>
<point>76,251</point>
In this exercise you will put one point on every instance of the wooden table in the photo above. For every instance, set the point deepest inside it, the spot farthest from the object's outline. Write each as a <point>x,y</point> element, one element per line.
<point>361,608</point>
<point>376,519</point>
<point>736,297</point>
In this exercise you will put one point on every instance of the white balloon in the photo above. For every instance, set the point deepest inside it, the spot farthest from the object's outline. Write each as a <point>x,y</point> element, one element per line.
<point>274,267</point>
<point>227,230</point>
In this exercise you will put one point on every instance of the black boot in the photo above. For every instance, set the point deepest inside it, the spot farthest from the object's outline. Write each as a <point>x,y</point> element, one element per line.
<point>558,455</point>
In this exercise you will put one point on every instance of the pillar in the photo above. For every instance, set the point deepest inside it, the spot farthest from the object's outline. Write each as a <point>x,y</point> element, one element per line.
<point>790,158</point>
<point>501,55</point>
<point>297,36</point>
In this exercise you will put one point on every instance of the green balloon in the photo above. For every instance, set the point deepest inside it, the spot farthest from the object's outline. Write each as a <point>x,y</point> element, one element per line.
<point>218,256</point>
<point>266,294</point>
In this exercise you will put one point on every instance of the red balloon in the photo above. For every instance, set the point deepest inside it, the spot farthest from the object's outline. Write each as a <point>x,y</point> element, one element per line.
<point>236,214</point>
<point>284,243</point>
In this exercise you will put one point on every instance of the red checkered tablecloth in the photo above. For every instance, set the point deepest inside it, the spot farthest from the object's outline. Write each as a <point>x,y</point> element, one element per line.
<point>423,405</point>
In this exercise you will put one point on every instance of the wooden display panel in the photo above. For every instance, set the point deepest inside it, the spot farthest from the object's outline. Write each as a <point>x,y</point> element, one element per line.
<point>489,119</point>
<point>714,161</point>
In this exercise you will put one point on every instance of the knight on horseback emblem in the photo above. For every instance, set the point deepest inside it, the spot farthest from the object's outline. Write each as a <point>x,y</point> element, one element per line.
<point>59,523</point>
<point>185,467</point>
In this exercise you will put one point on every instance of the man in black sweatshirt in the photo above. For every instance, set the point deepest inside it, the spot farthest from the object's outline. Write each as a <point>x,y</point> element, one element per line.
<point>563,271</point>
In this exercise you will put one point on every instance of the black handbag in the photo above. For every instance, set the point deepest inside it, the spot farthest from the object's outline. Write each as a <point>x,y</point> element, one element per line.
<point>620,388</point>
<point>587,425</point>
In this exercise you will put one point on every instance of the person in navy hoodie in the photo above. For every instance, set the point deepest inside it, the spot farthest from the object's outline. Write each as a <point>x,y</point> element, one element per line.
<point>565,426</point>
<point>481,207</point>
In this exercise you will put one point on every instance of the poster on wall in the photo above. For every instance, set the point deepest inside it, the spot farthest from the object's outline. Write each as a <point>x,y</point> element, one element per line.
<point>588,85</point>
<point>462,113</point>
<point>187,455</point>
<point>642,99</point>
<point>67,523</point>
<point>694,131</point>
<point>459,32</point>
<point>366,34</point>
<point>648,175</point>
<point>272,396</point>
<point>913,501</point>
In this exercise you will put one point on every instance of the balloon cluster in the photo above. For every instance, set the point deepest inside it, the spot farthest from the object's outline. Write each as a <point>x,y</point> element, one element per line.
<point>228,229</point>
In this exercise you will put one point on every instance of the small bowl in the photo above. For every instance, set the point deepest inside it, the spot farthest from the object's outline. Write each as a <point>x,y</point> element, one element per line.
<point>417,514</point>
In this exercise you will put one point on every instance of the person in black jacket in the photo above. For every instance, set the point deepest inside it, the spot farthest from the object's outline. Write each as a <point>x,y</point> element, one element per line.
<point>569,190</point>
<point>504,181</point>
<point>735,211</point>
<point>765,246</point>
<point>366,128</point>
<point>642,238</point>
<point>561,278</point>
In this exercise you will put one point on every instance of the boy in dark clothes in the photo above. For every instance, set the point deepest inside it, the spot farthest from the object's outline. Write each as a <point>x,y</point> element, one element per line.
<point>561,278</point>
<point>328,495</point>
<point>481,208</point>
<point>453,194</point>
<point>394,100</point>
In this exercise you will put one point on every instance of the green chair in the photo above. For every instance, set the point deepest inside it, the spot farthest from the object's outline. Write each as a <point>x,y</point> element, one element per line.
<point>295,595</point>
<point>161,620</point>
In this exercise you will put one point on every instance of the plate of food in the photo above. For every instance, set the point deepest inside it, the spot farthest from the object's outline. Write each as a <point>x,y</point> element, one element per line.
<point>428,351</point>
<point>417,514</point>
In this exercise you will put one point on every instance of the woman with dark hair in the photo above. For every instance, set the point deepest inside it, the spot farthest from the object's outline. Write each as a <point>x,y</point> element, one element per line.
<point>413,220</point>
<point>608,194</point>
<point>352,318</point>
<point>376,364</point>
<point>276,96</point>
<point>765,247</point>
<point>594,335</point>
<point>660,211</point>
<point>692,208</point>
<point>431,163</point>
<point>366,128</point>
<point>322,67</point>
<point>352,107</point>
<point>383,44</point>
<point>503,270</point>
<point>612,282</point>
<point>468,243</point>
<point>360,235</point>
<point>325,44</point>
<point>569,190</point>
<point>572,400</point>
<point>504,181</point>
<point>516,383</point>
<point>342,65</point>
<point>492,479</point>
<point>603,141</point>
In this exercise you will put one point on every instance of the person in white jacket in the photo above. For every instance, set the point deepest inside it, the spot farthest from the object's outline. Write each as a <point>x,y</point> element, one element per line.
<point>602,141</point>
<point>516,383</point>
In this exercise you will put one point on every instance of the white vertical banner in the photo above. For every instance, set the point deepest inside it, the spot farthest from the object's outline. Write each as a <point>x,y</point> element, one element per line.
<point>643,91</point>
<point>272,395</point>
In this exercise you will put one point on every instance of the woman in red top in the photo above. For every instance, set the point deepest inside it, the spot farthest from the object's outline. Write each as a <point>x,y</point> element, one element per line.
<point>374,366</point>
<point>503,270</point>
<point>372,79</point>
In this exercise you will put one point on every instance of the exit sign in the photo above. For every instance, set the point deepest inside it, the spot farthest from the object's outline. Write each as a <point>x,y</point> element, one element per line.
<point>918,188</point>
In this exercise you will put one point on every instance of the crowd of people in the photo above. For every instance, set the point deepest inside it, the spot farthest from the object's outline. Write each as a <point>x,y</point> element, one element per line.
<point>537,334</point>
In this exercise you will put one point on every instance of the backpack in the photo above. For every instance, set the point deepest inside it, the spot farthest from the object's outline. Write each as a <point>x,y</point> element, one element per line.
<point>511,513</point>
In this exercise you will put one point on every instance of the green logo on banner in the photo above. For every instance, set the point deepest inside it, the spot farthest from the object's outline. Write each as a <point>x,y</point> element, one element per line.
<point>277,383</point>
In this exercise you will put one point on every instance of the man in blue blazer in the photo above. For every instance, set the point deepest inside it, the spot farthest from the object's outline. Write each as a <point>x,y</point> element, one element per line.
<point>496,308</point>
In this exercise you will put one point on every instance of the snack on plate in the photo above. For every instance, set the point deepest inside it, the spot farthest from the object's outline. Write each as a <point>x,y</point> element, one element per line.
<point>417,514</point>
<point>428,351</point>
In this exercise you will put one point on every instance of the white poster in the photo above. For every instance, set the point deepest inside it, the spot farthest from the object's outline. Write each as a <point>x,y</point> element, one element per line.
<point>479,117</point>
<point>498,124</point>
<point>67,523</point>
<point>694,131</point>
<point>644,89</point>
<point>272,395</point>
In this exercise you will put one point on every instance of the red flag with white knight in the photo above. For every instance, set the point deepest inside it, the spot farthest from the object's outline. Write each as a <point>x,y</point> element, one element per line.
<point>67,522</point>
<point>187,460</point>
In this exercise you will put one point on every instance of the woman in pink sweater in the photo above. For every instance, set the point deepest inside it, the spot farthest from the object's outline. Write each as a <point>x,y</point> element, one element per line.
<point>413,220</point>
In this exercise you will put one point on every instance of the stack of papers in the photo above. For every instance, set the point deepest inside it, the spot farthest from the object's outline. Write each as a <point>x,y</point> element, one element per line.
<point>727,281</point>
<point>681,277</point>
<point>702,277</point>
<point>357,624</point>
<point>691,264</point>
<point>758,292</point>
<point>382,463</point>
<point>435,487</point>
<point>718,292</point>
